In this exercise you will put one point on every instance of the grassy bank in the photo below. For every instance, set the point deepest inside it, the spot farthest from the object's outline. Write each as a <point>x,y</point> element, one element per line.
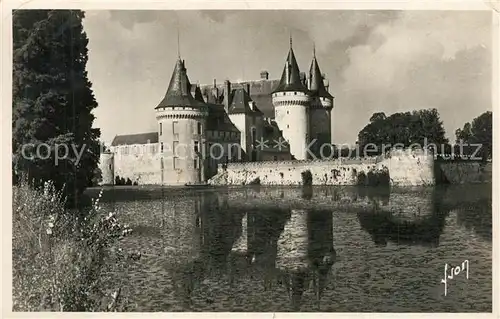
<point>61,258</point>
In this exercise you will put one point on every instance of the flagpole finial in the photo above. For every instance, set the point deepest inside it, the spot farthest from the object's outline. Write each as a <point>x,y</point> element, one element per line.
<point>178,44</point>
<point>290,39</point>
<point>314,50</point>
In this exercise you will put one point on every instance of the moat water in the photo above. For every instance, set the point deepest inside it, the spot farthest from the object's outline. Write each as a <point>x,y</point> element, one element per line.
<point>327,249</point>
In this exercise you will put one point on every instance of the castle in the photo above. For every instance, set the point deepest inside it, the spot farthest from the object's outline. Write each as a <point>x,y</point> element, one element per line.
<point>200,127</point>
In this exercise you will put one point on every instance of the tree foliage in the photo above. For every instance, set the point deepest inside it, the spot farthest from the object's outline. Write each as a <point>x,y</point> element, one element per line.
<point>480,132</point>
<point>417,127</point>
<point>53,100</point>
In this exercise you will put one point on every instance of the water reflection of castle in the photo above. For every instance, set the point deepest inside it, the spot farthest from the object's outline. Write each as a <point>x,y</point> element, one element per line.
<point>286,248</point>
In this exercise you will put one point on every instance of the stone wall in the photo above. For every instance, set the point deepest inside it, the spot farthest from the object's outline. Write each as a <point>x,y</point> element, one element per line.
<point>410,167</point>
<point>142,167</point>
<point>464,172</point>
<point>399,168</point>
<point>334,172</point>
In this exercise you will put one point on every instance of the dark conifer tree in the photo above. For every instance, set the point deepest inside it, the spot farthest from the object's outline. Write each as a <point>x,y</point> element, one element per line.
<point>53,100</point>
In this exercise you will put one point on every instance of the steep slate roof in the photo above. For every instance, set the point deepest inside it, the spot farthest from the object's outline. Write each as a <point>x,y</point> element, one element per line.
<point>131,139</point>
<point>290,79</point>
<point>240,103</point>
<point>260,93</point>
<point>317,85</point>
<point>179,89</point>
<point>218,120</point>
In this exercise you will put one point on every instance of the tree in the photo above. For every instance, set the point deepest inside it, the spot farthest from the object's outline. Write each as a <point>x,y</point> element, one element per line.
<point>53,100</point>
<point>418,127</point>
<point>480,132</point>
<point>377,116</point>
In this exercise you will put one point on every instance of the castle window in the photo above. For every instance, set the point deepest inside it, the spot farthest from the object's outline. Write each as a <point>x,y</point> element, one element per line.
<point>161,147</point>
<point>161,128</point>
<point>199,128</point>
<point>288,126</point>
<point>175,129</point>
<point>196,147</point>
<point>176,163</point>
<point>294,93</point>
<point>287,112</point>
<point>195,163</point>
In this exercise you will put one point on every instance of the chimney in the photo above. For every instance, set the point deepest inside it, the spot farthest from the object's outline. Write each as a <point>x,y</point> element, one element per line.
<point>215,92</point>
<point>303,77</point>
<point>264,75</point>
<point>247,88</point>
<point>227,93</point>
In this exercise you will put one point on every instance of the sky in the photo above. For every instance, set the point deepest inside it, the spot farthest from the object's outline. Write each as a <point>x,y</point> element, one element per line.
<point>376,61</point>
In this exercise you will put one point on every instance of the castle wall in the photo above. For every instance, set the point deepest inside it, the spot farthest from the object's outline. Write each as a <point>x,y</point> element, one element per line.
<point>245,123</point>
<point>241,123</point>
<point>410,167</point>
<point>140,163</point>
<point>218,151</point>
<point>332,172</point>
<point>400,168</point>
<point>462,172</point>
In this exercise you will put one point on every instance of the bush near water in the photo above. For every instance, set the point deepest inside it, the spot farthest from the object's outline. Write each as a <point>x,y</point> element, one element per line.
<point>61,259</point>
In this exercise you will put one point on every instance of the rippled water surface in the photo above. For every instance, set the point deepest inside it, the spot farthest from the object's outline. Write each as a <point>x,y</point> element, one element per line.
<point>306,249</point>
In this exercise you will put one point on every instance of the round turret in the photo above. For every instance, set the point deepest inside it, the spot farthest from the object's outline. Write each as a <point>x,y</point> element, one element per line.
<point>291,114</point>
<point>107,167</point>
<point>181,128</point>
<point>291,101</point>
<point>320,113</point>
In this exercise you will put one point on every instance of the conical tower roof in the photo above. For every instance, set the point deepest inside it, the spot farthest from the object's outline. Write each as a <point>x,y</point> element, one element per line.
<point>290,78</point>
<point>240,103</point>
<point>317,87</point>
<point>179,89</point>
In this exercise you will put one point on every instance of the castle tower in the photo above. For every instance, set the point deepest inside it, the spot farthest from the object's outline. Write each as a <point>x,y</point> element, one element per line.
<point>106,164</point>
<point>320,123</point>
<point>181,128</point>
<point>291,102</point>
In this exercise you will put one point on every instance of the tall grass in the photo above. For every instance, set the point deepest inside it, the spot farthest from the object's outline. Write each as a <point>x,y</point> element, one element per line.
<point>60,258</point>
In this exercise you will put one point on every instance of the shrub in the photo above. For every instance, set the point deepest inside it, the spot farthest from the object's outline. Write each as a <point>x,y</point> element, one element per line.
<point>60,258</point>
